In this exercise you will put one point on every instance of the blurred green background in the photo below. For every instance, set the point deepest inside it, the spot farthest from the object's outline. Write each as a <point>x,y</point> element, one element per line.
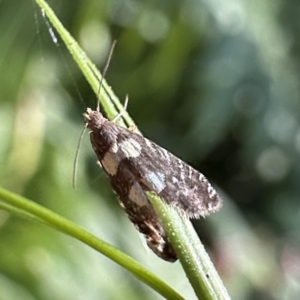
<point>214,82</point>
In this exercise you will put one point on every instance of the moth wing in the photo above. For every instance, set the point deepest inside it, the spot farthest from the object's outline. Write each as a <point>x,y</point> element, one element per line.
<point>176,182</point>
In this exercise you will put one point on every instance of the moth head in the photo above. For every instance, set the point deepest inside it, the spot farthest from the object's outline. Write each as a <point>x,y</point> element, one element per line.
<point>93,118</point>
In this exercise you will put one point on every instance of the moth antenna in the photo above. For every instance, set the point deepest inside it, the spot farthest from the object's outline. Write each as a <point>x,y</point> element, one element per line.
<point>98,109</point>
<point>104,72</point>
<point>77,156</point>
<point>119,115</point>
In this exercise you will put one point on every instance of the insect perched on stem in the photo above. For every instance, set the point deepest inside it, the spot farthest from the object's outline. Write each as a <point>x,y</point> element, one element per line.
<point>135,165</point>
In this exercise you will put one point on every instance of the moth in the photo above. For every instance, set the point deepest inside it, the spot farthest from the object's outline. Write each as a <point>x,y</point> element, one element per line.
<point>134,165</point>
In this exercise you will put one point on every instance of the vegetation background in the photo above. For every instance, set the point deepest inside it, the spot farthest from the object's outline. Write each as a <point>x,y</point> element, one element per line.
<point>214,82</point>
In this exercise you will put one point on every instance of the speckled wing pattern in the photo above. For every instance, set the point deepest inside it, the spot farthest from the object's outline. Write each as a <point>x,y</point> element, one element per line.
<point>159,171</point>
<point>134,165</point>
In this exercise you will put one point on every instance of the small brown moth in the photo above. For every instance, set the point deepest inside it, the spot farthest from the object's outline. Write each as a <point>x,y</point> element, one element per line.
<point>135,165</point>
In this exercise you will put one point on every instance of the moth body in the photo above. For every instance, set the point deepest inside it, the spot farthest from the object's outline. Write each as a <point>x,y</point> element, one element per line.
<point>135,165</point>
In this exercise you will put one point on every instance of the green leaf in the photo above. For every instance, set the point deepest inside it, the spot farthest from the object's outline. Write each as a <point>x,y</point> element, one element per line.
<point>23,207</point>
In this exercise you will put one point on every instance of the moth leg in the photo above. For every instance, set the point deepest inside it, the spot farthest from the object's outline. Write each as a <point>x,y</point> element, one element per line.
<point>132,128</point>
